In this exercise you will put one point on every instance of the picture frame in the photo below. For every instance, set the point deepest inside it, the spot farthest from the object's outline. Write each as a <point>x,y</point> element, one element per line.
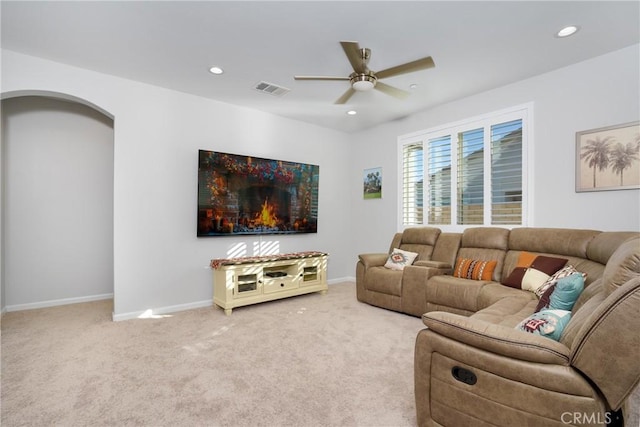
<point>608,158</point>
<point>372,183</point>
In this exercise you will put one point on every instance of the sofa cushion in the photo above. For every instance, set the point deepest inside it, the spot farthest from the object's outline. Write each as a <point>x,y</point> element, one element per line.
<point>420,240</point>
<point>563,295</point>
<point>548,323</point>
<point>532,271</point>
<point>486,237</point>
<point>559,241</point>
<point>399,259</point>
<point>493,292</point>
<point>454,292</point>
<point>507,311</point>
<point>623,266</point>
<point>384,280</point>
<point>606,243</point>
<point>474,269</point>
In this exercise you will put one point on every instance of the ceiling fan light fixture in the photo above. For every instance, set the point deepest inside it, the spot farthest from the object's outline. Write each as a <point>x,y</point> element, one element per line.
<point>363,82</point>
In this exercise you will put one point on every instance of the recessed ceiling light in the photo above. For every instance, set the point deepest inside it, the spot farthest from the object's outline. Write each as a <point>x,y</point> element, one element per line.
<point>352,112</point>
<point>216,70</point>
<point>567,31</point>
<point>413,86</point>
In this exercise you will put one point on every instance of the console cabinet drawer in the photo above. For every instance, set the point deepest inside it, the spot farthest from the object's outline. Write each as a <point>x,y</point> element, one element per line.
<point>279,284</point>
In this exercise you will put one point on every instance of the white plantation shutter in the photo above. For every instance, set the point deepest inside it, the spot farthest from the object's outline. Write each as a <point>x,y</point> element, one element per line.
<point>474,171</point>
<point>439,172</point>
<point>471,177</point>
<point>412,183</point>
<point>506,173</point>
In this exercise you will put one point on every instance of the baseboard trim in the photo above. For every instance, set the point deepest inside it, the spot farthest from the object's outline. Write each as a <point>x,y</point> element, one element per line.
<point>341,280</point>
<point>163,311</point>
<point>160,312</point>
<point>57,302</point>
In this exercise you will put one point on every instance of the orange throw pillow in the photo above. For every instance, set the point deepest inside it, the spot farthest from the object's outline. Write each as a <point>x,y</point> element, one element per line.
<point>474,269</point>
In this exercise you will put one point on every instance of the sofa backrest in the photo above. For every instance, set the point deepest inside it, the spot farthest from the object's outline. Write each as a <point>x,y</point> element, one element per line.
<point>622,266</point>
<point>446,249</point>
<point>420,240</point>
<point>485,244</point>
<point>555,242</point>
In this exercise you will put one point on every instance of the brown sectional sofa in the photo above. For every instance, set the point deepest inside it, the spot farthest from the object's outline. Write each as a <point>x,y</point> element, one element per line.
<point>472,367</point>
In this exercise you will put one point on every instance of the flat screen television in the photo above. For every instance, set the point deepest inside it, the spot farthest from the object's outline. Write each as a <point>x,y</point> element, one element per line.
<point>245,195</point>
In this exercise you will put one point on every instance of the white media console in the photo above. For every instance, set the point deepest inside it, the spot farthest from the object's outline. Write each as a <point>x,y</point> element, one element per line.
<point>243,281</point>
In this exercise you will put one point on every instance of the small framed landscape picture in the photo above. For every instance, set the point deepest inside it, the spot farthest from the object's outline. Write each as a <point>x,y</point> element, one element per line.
<point>372,181</point>
<point>608,158</point>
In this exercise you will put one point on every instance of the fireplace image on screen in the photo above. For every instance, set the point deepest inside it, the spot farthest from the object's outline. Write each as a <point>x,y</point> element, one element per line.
<point>251,195</point>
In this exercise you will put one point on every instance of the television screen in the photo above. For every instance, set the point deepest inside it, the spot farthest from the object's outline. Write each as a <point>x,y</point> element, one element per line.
<point>249,195</point>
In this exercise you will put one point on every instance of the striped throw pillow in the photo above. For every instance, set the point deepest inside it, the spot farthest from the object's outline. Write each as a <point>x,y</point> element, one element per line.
<point>474,269</point>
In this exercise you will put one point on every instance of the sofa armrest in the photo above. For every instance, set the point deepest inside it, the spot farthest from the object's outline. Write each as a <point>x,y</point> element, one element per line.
<point>373,260</point>
<point>433,264</point>
<point>415,280</point>
<point>498,339</point>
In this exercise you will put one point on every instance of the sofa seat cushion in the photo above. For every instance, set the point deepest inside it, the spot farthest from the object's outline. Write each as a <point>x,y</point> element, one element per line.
<point>508,311</point>
<point>455,292</point>
<point>493,292</point>
<point>384,280</point>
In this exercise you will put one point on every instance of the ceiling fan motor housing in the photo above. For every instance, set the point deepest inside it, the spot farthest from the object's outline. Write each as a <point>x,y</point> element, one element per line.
<point>363,81</point>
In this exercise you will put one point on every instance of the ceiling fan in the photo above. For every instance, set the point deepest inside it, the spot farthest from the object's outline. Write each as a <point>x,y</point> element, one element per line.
<point>363,79</point>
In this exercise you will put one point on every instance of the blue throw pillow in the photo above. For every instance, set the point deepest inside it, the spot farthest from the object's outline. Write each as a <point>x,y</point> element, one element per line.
<point>547,323</point>
<point>566,293</point>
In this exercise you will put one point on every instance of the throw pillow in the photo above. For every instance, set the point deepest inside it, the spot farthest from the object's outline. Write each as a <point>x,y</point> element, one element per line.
<point>563,295</point>
<point>399,259</point>
<point>547,323</point>
<point>565,271</point>
<point>532,271</point>
<point>474,269</point>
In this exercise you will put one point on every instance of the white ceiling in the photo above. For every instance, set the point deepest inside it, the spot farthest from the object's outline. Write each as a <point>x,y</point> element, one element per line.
<point>476,46</point>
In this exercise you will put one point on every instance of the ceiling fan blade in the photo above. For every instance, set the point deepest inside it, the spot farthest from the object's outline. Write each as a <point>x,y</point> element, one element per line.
<point>354,55</point>
<point>409,67</point>
<point>345,96</point>
<point>390,90</point>
<point>320,78</point>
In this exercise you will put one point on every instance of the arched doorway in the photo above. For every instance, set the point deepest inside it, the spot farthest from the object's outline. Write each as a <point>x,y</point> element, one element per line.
<point>57,201</point>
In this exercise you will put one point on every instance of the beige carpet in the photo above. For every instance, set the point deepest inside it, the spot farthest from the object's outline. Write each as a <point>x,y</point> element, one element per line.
<point>312,360</point>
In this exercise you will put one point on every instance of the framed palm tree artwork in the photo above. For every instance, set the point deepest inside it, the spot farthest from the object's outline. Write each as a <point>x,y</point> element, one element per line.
<point>608,158</point>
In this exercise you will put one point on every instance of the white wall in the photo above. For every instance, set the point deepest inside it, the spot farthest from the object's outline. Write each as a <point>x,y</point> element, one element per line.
<point>158,261</point>
<point>599,92</point>
<point>58,188</point>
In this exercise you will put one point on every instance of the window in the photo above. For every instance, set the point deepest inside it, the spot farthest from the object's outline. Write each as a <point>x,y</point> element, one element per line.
<point>474,170</point>
<point>412,184</point>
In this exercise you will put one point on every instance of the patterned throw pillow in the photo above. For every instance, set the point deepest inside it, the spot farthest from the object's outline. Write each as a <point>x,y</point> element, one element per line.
<point>474,269</point>
<point>399,259</point>
<point>563,272</point>
<point>563,295</point>
<point>547,323</point>
<point>532,271</point>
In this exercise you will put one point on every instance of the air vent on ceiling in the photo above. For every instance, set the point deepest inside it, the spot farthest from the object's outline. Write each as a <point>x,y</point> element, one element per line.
<point>271,89</point>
